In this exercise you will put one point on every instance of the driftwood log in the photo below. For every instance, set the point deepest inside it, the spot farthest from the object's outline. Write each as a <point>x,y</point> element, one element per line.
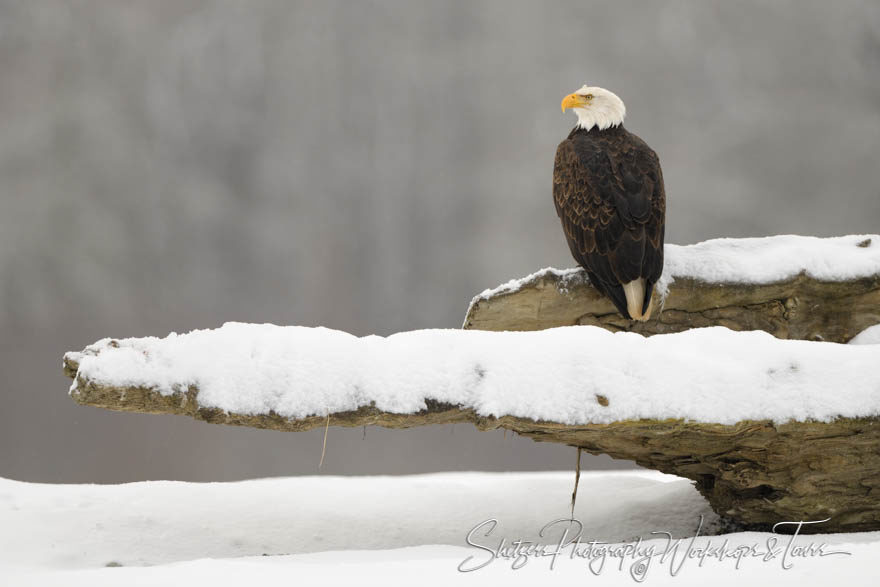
<point>800,308</point>
<point>755,473</point>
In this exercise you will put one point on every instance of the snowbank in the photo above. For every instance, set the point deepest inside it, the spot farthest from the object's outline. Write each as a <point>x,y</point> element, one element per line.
<point>158,522</point>
<point>708,375</point>
<point>746,260</point>
<point>340,531</point>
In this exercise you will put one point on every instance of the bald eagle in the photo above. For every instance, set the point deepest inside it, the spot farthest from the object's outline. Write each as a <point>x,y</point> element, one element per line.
<point>608,191</point>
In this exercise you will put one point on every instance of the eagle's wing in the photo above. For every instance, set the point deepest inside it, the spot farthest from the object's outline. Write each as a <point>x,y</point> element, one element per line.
<point>612,205</point>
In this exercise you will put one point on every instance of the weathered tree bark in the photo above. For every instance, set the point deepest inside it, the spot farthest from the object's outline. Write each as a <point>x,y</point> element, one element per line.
<point>756,473</point>
<point>799,308</point>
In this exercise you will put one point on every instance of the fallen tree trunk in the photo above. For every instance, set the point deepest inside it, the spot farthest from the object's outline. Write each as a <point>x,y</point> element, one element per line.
<point>755,473</point>
<point>801,308</point>
<point>788,300</point>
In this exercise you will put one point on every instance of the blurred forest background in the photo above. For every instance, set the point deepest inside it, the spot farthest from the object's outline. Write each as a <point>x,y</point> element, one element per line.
<point>370,166</point>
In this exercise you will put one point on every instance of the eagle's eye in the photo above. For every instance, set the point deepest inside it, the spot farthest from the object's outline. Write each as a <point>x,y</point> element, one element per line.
<point>589,96</point>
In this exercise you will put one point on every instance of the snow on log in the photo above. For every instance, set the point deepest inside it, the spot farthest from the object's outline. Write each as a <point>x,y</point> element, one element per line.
<point>771,430</point>
<point>796,287</point>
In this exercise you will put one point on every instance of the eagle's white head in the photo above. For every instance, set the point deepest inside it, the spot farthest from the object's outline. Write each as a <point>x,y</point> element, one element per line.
<point>595,107</point>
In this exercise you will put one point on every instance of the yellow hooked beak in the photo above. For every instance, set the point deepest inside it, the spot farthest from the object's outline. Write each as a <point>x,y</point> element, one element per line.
<point>574,101</point>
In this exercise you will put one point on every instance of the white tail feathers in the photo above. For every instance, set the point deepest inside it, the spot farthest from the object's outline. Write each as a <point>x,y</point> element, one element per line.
<point>635,297</point>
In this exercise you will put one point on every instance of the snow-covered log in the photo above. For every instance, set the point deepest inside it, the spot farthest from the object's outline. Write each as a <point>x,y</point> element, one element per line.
<point>795,287</point>
<point>771,430</point>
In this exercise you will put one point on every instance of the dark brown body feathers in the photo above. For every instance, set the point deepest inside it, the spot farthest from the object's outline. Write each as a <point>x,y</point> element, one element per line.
<point>609,194</point>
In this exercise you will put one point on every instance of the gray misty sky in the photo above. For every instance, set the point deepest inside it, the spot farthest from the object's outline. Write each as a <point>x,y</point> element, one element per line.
<point>369,166</point>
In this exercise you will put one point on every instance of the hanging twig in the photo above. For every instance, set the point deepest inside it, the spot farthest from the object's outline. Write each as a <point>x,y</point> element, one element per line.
<point>324,446</point>
<point>577,479</point>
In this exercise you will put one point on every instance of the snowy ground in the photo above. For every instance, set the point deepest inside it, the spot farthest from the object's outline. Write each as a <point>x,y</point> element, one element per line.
<point>385,530</point>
